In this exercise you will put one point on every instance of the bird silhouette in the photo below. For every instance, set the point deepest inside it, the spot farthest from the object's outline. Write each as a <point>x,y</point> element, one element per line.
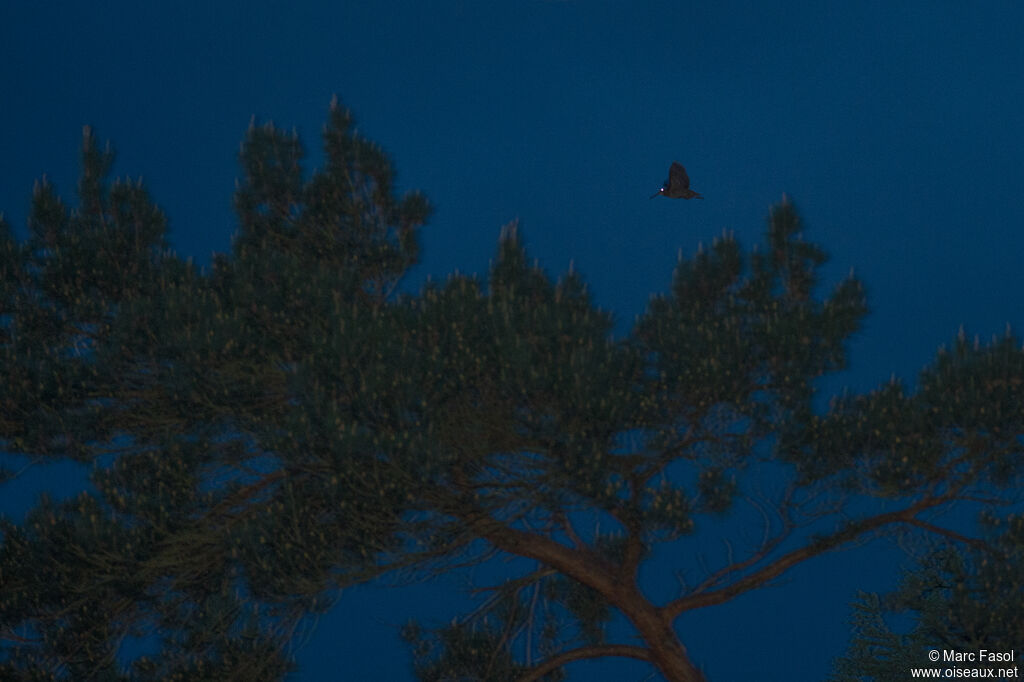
<point>678,184</point>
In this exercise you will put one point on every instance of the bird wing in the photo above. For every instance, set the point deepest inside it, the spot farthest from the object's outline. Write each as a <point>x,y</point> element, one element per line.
<point>678,174</point>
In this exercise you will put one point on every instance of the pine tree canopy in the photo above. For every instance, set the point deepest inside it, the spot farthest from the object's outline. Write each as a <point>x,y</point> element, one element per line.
<point>287,422</point>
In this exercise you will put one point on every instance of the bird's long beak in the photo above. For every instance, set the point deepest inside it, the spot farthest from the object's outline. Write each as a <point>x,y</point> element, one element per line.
<point>656,194</point>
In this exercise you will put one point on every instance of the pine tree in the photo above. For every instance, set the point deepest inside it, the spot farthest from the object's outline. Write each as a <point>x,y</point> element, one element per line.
<point>286,423</point>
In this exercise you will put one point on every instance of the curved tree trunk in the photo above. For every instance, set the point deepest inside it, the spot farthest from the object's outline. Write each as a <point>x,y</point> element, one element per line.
<point>667,652</point>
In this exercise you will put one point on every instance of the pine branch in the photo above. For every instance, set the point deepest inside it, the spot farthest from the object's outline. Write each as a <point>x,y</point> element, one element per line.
<point>582,653</point>
<point>819,546</point>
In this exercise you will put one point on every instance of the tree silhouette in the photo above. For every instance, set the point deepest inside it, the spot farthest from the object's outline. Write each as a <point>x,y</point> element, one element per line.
<point>285,424</point>
<point>962,601</point>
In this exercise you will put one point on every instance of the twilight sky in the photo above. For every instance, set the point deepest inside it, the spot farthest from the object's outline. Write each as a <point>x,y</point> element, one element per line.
<point>896,128</point>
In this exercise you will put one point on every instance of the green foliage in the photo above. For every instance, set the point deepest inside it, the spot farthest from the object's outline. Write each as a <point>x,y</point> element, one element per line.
<point>283,424</point>
<point>459,652</point>
<point>960,601</point>
<point>193,392</point>
<point>965,421</point>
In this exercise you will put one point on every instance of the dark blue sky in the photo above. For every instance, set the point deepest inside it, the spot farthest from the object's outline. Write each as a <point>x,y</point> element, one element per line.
<point>895,127</point>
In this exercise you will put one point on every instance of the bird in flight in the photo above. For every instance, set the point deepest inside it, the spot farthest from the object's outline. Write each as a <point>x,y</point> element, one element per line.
<point>678,184</point>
